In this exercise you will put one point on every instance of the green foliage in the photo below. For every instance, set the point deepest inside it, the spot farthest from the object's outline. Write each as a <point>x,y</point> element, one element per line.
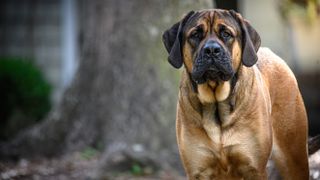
<point>306,9</point>
<point>24,94</point>
<point>88,153</point>
<point>136,169</point>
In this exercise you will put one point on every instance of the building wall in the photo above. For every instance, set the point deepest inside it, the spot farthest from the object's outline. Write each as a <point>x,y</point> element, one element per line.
<point>40,31</point>
<point>296,40</point>
<point>265,18</point>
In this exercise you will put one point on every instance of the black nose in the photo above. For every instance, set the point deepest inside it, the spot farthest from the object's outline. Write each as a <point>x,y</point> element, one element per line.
<point>212,48</point>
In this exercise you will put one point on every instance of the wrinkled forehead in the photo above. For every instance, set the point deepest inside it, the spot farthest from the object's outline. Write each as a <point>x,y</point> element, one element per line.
<point>211,18</point>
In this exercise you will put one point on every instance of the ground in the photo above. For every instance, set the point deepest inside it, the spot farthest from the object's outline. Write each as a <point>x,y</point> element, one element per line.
<point>79,165</point>
<point>83,165</point>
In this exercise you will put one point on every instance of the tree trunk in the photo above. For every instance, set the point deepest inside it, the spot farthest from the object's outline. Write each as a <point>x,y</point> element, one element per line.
<point>231,4</point>
<point>124,93</point>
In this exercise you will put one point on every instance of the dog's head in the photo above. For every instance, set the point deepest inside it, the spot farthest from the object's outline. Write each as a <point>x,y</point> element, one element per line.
<point>212,44</point>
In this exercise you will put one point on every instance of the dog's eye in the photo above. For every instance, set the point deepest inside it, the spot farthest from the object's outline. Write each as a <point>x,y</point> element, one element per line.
<point>196,34</point>
<point>225,34</point>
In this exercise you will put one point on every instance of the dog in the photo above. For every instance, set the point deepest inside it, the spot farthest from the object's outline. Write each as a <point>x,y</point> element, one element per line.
<point>239,104</point>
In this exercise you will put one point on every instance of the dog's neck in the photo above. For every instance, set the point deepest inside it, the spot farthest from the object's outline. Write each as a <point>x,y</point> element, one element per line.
<point>221,100</point>
<point>194,85</point>
<point>212,92</point>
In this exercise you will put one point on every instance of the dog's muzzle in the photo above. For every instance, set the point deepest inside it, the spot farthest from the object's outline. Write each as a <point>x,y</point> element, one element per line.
<point>212,63</point>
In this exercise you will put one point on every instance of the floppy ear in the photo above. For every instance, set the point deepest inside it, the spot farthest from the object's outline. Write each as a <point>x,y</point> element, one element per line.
<point>250,40</point>
<point>172,39</point>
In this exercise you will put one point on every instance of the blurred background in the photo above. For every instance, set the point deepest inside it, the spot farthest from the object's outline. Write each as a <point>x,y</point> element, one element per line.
<point>86,91</point>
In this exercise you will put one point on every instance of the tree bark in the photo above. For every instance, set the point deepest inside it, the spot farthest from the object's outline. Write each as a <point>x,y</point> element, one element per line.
<point>231,4</point>
<point>124,93</point>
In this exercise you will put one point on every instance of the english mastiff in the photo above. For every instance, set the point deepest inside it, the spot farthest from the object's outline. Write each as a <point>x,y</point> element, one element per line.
<point>239,104</point>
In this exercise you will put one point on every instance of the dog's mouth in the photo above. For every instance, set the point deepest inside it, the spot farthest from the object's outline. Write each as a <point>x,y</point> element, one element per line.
<point>212,68</point>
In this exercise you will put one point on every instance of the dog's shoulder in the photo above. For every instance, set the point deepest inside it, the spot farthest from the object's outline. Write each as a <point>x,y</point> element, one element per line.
<point>273,66</point>
<point>268,59</point>
<point>277,75</point>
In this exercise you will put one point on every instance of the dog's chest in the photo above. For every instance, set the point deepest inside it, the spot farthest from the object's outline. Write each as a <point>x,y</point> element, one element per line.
<point>228,148</point>
<point>215,117</point>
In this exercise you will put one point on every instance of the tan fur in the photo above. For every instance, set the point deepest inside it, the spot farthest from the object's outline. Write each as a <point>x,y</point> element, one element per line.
<point>236,55</point>
<point>210,92</point>
<point>188,57</point>
<point>206,93</point>
<point>222,91</point>
<point>263,116</point>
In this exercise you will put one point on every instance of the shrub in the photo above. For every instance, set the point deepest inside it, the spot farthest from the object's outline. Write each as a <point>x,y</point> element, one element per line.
<point>24,96</point>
